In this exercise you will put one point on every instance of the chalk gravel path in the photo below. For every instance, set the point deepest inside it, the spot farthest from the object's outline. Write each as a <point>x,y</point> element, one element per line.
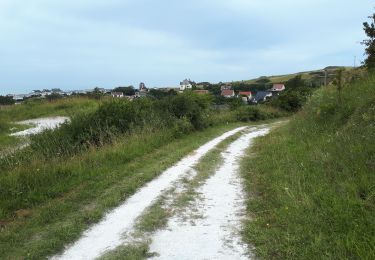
<point>215,236</point>
<point>222,204</point>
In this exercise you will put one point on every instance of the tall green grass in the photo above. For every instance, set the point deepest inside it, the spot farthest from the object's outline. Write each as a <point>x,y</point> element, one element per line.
<point>311,183</point>
<point>47,204</point>
<point>35,108</point>
<point>66,179</point>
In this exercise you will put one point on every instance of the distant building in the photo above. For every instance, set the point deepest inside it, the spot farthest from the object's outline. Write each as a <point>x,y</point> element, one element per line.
<point>142,87</point>
<point>262,96</point>
<point>186,84</point>
<point>117,94</point>
<point>245,94</point>
<point>225,87</point>
<point>227,93</point>
<point>278,87</point>
<point>19,97</point>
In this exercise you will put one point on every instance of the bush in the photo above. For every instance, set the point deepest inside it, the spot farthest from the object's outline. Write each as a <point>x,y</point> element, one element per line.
<point>6,100</point>
<point>290,101</point>
<point>184,113</point>
<point>250,113</point>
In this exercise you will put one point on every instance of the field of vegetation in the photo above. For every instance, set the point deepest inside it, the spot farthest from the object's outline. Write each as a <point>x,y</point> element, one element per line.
<point>315,199</point>
<point>35,108</point>
<point>311,183</point>
<point>68,177</point>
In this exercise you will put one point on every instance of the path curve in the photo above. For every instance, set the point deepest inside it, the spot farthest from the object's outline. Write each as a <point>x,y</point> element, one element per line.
<point>108,234</point>
<point>216,235</point>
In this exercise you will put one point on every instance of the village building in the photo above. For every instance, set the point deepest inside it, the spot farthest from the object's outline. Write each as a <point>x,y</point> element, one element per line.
<point>142,87</point>
<point>262,96</point>
<point>227,93</point>
<point>247,94</point>
<point>117,94</point>
<point>186,84</point>
<point>225,87</point>
<point>278,87</point>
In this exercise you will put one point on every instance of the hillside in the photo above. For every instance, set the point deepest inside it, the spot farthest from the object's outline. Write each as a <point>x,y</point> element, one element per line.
<point>313,76</point>
<point>311,184</point>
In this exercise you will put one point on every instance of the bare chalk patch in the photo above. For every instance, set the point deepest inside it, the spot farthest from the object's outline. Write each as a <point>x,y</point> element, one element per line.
<point>40,124</point>
<point>109,233</point>
<point>221,205</point>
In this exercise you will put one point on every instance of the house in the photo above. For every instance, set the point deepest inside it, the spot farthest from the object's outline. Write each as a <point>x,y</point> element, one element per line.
<point>227,93</point>
<point>140,93</point>
<point>201,91</point>
<point>19,97</point>
<point>262,96</point>
<point>142,87</point>
<point>225,87</point>
<point>278,87</point>
<point>186,84</point>
<point>117,94</point>
<point>245,94</point>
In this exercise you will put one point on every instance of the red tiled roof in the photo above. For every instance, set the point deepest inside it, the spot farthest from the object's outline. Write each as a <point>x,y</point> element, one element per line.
<point>227,92</point>
<point>278,86</point>
<point>245,93</point>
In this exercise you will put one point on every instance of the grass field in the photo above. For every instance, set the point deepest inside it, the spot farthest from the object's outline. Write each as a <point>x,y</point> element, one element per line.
<point>314,75</point>
<point>40,215</point>
<point>311,183</point>
<point>38,108</point>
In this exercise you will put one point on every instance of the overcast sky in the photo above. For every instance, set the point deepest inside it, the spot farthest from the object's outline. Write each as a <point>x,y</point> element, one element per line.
<point>78,44</point>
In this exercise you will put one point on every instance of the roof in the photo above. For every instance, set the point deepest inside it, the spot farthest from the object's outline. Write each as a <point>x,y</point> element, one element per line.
<point>117,93</point>
<point>278,86</point>
<point>185,82</point>
<point>227,92</point>
<point>261,95</point>
<point>245,93</point>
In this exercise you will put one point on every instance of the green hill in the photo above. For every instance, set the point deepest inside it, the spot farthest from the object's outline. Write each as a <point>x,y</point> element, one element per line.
<point>313,76</point>
<point>312,183</point>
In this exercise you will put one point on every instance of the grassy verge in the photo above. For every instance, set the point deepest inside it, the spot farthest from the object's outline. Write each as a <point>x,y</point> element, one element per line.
<point>311,183</point>
<point>38,220</point>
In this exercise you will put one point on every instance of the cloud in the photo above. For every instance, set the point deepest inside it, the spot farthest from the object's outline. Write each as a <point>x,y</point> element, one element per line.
<point>81,43</point>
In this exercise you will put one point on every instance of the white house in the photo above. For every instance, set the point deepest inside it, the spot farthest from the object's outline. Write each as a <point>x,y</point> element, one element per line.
<point>117,94</point>
<point>186,84</point>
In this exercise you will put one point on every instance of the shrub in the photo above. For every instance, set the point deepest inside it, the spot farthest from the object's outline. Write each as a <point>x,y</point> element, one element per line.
<point>184,113</point>
<point>250,113</point>
<point>6,100</point>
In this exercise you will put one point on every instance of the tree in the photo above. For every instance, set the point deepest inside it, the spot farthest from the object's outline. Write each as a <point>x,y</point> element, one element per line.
<point>96,94</point>
<point>6,100</point>
<point>128,91</point>
<point>53,96</point>
<point>369,29</point>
